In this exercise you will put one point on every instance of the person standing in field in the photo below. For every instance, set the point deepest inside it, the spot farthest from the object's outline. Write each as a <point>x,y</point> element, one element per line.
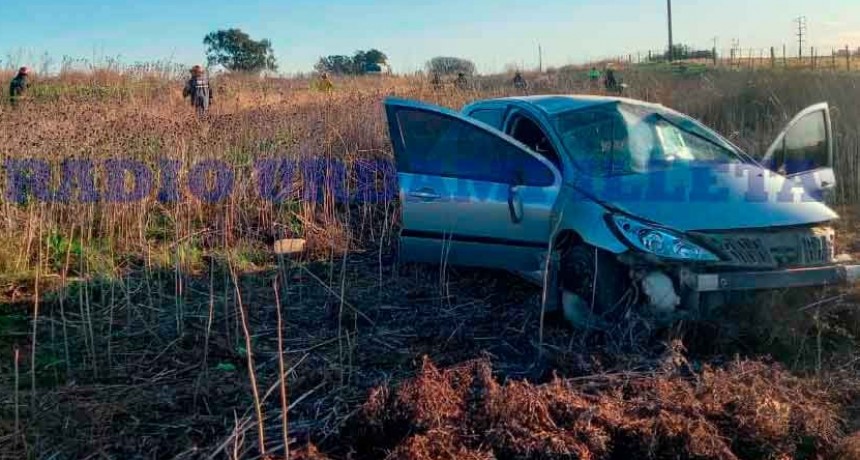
<point>198,90</point>
<point>461,82</point>
<point>324,84</point>
<point>594,76</point>
<point>519,81</point>
<point>610,82</point>
<point>19,85</point>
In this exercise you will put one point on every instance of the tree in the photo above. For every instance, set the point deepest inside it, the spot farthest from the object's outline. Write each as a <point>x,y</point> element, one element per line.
<point>688,52</point>
<point>370,61</point>
<point>336,64</point>
<point>236,51</point>
<point>445,65</point>
<point>702,54</point>
<point>360,63</point>
<point>678,52</point>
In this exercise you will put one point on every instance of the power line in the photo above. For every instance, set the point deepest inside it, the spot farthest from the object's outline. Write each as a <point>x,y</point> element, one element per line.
<point>801,33</point>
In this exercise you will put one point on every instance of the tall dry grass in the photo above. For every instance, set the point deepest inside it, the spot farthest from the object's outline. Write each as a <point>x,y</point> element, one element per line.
<point>101,116</point>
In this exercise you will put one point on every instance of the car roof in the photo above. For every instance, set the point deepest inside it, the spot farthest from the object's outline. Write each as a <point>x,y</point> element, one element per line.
<point>553,103</point>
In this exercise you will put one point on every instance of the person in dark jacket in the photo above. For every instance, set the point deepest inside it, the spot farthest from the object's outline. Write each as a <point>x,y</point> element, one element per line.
<point>519,81</point>
<point>610,82</point>
<point>461,82</point>
<point>198,90</point>
<point>19,85</point>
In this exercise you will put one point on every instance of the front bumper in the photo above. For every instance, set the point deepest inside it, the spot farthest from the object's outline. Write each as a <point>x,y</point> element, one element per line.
<point>777,279</point>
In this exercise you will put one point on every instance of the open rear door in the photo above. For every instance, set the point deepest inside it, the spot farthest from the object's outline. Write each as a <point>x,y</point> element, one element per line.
<point>803,151</point>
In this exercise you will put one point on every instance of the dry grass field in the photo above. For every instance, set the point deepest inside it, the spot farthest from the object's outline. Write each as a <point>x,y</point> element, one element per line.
<point>153,329</point>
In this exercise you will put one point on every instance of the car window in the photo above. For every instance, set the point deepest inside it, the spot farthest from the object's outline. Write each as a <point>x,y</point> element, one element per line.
<point>492,117</point>
<point>616,139</point>
<point>532,136</point>
<point>804,147</point>
<point>440,145</point>
<point>675,144</point>
<point>598,139</point>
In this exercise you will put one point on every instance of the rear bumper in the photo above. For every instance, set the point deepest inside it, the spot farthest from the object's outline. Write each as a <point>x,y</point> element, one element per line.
<point>778,279</point>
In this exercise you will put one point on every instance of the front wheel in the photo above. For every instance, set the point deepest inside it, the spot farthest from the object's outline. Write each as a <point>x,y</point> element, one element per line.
<point>595,284</point>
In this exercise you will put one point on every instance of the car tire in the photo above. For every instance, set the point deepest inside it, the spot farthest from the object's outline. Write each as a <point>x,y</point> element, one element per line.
<point>597,278</point>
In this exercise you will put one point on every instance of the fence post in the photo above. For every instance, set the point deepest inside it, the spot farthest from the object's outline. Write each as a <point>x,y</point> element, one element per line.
<point>833,59</point>
<point>752,59</point>
<point>650,59</point>
<point>784,57</point>
<point>714,55</point>
<point>847,58</point>
<point>812,56</point>
<point>772,58</point>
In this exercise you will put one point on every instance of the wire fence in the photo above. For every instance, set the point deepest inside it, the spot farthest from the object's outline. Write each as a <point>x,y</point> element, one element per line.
<point>846,58</point>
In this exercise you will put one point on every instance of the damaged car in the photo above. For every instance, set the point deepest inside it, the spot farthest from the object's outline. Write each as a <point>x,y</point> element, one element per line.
<point>613,204</point>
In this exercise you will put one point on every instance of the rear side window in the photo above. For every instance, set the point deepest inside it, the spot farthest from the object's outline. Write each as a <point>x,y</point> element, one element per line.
<point>440,145</point>
<point>492,117</point>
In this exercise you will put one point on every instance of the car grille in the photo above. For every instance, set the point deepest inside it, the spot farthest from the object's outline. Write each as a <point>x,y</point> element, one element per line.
<point>776,248</point>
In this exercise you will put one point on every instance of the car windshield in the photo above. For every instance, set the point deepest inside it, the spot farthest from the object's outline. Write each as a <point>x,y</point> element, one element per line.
<point>619,138</point>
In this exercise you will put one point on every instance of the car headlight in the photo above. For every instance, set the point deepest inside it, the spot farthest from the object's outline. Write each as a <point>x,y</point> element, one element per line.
<point>660,242</point>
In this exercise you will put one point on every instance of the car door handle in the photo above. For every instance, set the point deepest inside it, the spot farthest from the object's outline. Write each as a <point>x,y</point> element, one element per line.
<point>425,194</point>
<point>515,204</point>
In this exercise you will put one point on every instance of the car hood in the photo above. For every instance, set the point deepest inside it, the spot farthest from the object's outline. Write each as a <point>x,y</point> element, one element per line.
<point>711,198</point>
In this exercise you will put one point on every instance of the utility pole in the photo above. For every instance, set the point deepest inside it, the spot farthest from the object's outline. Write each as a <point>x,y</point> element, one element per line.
<point>540,59</point>
<point>801,32</point>
<point>671,45</point>
<point>714,52</point>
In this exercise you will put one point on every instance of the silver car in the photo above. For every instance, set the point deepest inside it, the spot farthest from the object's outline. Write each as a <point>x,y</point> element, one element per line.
<point>613,203</point>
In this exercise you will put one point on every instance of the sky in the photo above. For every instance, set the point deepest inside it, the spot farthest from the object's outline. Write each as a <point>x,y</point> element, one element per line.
<point>494,34</point>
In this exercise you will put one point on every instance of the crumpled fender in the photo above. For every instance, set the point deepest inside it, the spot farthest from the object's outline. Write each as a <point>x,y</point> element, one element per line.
<point>587,218</point>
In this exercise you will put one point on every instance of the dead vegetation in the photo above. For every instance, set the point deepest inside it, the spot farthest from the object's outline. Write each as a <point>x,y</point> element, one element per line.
<point>745,409</point>
<point>497,390</point>
<point>849,448</point>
